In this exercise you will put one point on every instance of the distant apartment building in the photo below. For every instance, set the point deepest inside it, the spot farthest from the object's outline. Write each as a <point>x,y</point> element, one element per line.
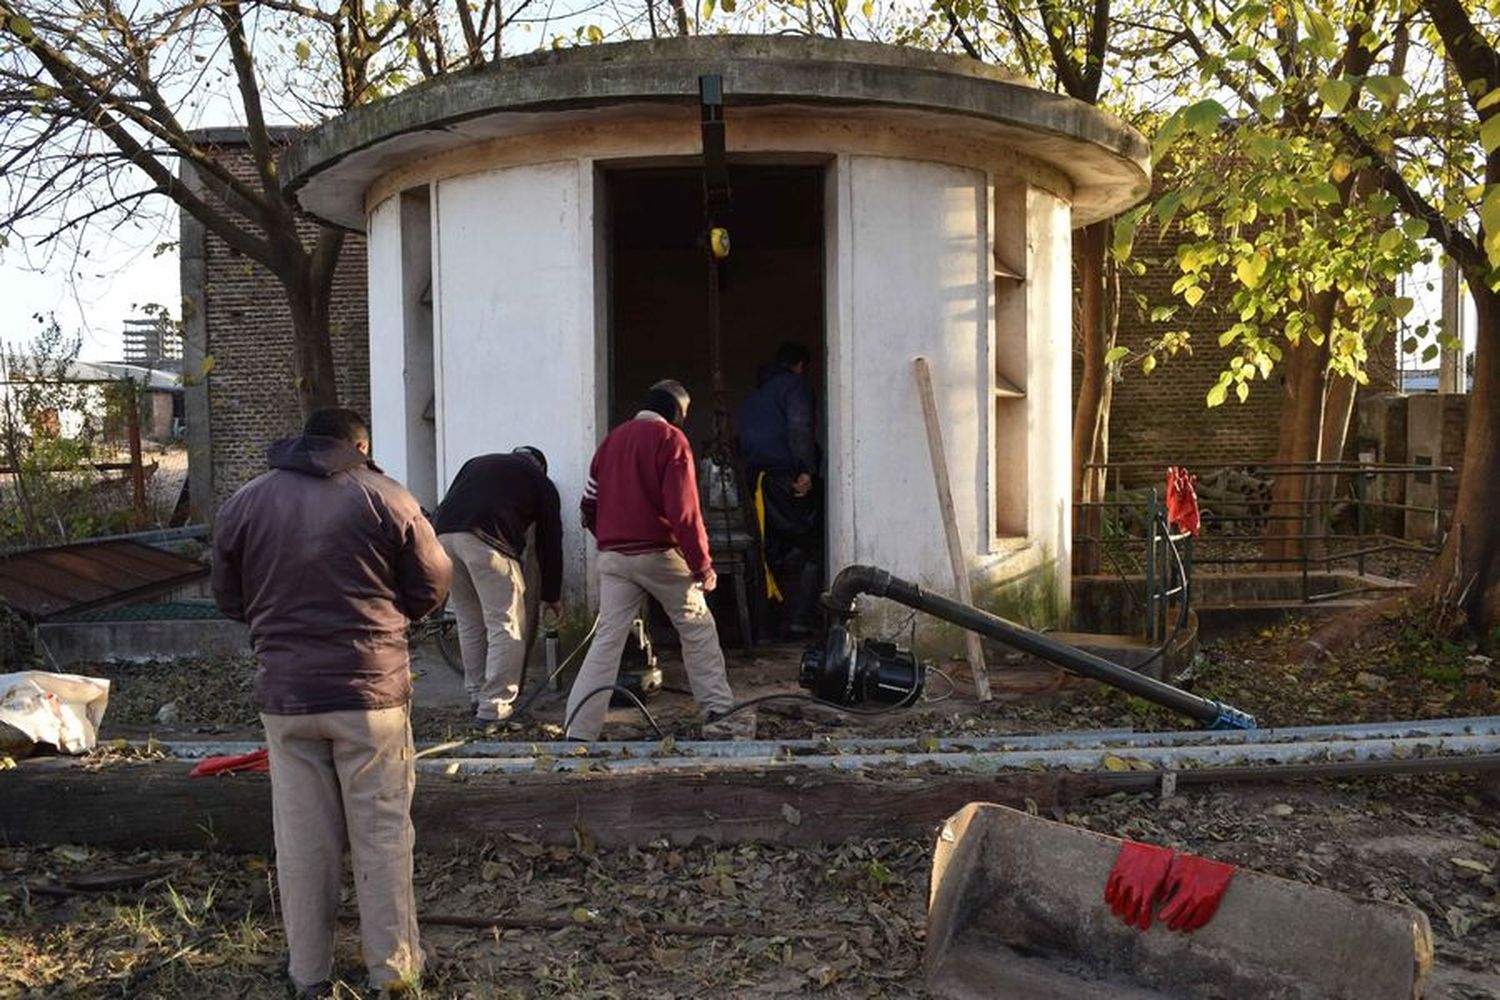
<point>152,342</point>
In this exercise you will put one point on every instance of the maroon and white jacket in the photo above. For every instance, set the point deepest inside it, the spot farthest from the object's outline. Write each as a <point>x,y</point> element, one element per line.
<point>642,494</point>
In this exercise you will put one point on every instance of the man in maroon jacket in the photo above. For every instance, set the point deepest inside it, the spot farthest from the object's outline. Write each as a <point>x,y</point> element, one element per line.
<point>327,560</point>
<point>641,504</point>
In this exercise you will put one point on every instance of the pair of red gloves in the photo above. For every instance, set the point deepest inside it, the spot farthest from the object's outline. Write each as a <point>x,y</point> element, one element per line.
<point>1189,887</point>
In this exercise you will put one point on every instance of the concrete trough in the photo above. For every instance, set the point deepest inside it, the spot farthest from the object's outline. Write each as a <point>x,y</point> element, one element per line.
<point>1017,909</point>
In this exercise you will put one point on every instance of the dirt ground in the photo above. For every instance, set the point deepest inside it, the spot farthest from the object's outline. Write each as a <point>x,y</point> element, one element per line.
<point>204,924</point>
<point>1396,672</point>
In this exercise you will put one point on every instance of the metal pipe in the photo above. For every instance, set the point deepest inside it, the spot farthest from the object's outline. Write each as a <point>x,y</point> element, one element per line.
<point>1081,739</point>
<point>855,580</point>
<point>1159,759</point>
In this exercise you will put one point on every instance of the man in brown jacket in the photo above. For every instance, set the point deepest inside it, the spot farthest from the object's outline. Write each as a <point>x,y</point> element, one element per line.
<point>327,560</point>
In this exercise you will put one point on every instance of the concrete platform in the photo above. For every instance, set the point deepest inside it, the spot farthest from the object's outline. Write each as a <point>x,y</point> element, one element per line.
<point>1017,910</point>
<point>71,643</point>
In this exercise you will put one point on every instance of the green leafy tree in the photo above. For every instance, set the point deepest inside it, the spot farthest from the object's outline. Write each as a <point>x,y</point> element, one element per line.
<point>1363,131</point>
<point>37,396</point>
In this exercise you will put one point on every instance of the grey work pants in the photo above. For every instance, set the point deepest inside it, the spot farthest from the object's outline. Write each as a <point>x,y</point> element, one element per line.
<point>342,778</point>
<point>488,597</point>
<point>624,582</point>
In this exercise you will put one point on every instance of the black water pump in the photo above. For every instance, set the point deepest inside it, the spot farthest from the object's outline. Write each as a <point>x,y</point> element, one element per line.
<point>846,671</point>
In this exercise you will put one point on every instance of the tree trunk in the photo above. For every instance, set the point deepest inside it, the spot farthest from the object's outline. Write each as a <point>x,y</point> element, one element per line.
<point>1338,410</point>
<point>1339,393</point>
<point>1299,438</point>
<point>312,352</point>
<point>309,291</point>
<point>679,11</point>
<point>1464,582</point>
<point>1098,325</point>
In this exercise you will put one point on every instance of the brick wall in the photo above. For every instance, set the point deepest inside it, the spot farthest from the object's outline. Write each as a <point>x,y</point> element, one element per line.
<point>1163,418</point>
<point>235,313</point>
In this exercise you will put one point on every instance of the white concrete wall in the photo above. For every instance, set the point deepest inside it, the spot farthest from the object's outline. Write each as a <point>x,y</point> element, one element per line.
<point>910,253</point>
<point>388,422</point>
<point>401,344</point>
<point>516,330</point>
<point>916,282</point>
<point>1049,397</point>
<point>911,272</point>
<point>418,373</point>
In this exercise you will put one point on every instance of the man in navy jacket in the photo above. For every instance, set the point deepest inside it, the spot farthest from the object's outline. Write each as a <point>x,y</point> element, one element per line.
<point>778,444</point>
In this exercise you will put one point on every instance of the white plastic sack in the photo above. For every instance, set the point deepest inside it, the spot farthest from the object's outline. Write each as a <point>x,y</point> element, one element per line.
<point>63,710</point>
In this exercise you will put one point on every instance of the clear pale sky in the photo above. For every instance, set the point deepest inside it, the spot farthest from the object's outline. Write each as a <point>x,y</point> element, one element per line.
<point>120,275</point>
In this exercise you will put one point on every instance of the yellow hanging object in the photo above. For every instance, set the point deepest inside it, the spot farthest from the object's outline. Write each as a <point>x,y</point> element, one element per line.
<point>718,242</point>
<point>772,590</point>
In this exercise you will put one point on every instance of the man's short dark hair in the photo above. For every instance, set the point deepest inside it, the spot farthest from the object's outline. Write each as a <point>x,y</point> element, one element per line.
<point>337,422</point>
<point>792,354</point>
<point>535,454</point>
<point>669,399</point>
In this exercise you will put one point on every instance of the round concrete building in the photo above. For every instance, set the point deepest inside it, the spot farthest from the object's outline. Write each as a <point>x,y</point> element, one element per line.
<point>536,260</point>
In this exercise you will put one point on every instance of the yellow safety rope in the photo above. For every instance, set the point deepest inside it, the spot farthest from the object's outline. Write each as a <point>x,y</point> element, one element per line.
<point>772,590</point>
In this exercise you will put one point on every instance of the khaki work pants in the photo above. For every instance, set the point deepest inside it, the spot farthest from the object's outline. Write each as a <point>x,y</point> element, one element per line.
<point>624,582</point>
<point>337,778</point>
<point>488,597</point>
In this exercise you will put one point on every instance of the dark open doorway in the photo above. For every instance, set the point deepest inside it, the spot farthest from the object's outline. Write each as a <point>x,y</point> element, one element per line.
<point>771,286</point>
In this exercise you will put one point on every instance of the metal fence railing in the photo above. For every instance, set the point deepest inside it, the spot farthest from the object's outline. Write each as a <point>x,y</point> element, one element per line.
<point>1324,516</point>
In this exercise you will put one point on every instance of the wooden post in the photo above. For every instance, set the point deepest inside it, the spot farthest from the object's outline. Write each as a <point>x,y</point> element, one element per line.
<point>137,471</point>
<point>940,478</point>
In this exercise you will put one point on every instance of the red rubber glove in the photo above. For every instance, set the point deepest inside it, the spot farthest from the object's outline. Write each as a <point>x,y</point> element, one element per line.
<point>1194,887</point>
<point>256,760</point>
<point>1182,500</point>
<point>1136,881</point>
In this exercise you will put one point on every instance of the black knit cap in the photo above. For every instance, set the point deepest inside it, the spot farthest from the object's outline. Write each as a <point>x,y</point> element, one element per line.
<point>669,399</point>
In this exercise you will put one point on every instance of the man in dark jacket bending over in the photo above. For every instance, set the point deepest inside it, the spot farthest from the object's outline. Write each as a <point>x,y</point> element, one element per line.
<point>327,560</point>
<point>482,525</point>
<point>778,444</point>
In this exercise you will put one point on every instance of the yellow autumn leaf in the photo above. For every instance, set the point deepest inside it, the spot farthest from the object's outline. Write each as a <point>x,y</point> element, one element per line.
<point>1251,269</point>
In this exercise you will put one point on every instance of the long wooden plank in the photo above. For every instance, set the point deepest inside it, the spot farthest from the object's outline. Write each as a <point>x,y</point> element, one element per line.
<point>939,455</point>
<point>157,805</point>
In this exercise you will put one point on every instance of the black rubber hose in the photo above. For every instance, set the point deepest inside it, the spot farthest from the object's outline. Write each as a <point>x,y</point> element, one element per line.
<point>855,580</point>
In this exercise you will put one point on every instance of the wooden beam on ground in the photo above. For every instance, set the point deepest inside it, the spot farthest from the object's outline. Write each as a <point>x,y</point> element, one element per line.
<point>935,449</point>
<point>157,805</point>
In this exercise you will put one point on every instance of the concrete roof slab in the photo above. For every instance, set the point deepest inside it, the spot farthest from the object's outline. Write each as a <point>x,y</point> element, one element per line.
<point>331,167</point>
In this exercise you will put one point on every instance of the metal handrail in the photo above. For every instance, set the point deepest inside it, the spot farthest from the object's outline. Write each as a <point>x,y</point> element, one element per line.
<point>1311,511</point>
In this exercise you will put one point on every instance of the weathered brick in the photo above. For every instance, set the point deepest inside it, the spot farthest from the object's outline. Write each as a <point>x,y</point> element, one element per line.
<point>1163,418</point>
<point>247,331</point>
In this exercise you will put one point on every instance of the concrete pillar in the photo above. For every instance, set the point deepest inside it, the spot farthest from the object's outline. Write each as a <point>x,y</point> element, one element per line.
<point>403,429</point>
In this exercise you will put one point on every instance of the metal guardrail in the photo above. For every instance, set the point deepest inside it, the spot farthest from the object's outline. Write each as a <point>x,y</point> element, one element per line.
<point>1309,541</point>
